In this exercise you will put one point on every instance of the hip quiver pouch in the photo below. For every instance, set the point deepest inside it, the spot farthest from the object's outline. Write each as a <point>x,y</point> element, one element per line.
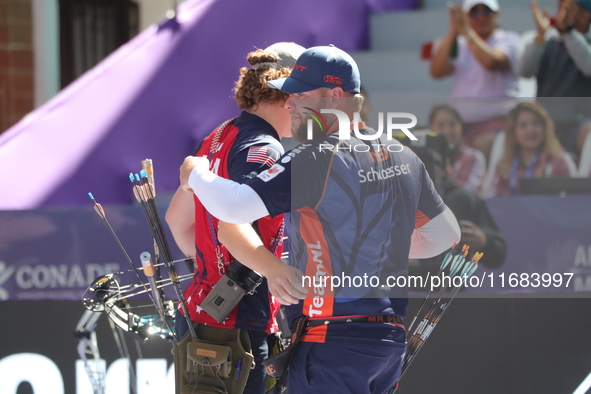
<point>218,361</point>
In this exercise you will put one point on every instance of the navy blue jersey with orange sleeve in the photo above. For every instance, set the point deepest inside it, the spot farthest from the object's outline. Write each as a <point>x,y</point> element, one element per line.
<point>354,205</point>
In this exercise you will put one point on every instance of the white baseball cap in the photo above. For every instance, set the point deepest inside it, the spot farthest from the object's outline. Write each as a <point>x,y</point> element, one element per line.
<point>287,52</point>
<point>492,4</point>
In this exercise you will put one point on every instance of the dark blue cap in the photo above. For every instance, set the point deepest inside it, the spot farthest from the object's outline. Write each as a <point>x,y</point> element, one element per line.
<point>321,67</point>
<point>585,3</point>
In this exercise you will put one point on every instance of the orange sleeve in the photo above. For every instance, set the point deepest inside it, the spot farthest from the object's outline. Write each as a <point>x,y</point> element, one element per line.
<point>421,219</point>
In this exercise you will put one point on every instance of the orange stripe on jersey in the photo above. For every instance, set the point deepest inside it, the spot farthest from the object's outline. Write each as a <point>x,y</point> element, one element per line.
<point>316,334</point>
<point>420,219</point>
<point>318,269</point>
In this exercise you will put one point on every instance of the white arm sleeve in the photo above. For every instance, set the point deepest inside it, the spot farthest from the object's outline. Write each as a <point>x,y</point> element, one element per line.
<point>435,237</point>
<point>227,200</point>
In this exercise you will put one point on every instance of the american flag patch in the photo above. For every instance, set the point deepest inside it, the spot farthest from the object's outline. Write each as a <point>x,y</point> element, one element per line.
<point>262,154</point>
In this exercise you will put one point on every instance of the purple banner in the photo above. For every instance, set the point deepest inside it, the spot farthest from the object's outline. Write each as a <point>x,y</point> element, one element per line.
<point>548,245</point>
<point>55,254</point>
<point>158,95</point>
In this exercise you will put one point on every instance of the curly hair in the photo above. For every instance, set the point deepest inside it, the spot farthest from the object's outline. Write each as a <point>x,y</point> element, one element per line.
<point>251,87</point>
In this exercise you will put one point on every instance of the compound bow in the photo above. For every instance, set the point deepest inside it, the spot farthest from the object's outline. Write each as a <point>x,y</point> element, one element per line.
<point>106,295</point>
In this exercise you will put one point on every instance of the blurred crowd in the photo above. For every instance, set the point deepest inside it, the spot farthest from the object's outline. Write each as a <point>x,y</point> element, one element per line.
<point>487,138</point>
<point>495,137</point>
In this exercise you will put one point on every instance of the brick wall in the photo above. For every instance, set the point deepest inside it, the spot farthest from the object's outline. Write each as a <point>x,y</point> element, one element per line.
<point>16,61</point>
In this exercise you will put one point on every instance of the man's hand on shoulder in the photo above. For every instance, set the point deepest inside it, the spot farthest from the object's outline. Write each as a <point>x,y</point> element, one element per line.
<point>201,164</point>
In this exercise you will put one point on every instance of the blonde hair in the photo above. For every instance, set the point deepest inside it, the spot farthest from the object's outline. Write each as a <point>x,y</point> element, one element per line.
<point>550,143</point>
<point>251,87</point>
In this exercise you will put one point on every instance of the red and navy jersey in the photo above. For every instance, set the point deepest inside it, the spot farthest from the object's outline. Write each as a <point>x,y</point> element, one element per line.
<point>248,146</point>
<point>354,205</point>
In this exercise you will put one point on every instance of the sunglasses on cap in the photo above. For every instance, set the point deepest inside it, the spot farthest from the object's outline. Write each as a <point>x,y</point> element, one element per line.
<point>484,11</point>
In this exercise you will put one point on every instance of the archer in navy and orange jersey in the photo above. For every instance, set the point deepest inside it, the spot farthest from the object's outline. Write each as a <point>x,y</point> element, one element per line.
<point>360,207</point>
<point>354,206</point>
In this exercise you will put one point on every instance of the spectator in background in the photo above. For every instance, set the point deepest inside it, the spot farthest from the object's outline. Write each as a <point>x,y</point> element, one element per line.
<point>560,59</point>
<point>481,58</point>
<point>531,150</point>
<point>467,165</point>
<point>584,134</point>
<point>477,226</point>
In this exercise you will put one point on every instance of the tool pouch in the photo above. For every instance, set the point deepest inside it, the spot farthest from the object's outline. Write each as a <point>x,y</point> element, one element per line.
<point>218,361</point>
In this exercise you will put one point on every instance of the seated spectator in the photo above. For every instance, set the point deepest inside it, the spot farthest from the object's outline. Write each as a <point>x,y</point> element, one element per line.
<point>584,164</point>
<point>560,59</point>
<point>481,58</point>
<point>583,134</point>
<point>477,226</point>
<point>467,165</point>
<point>531,150</point>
